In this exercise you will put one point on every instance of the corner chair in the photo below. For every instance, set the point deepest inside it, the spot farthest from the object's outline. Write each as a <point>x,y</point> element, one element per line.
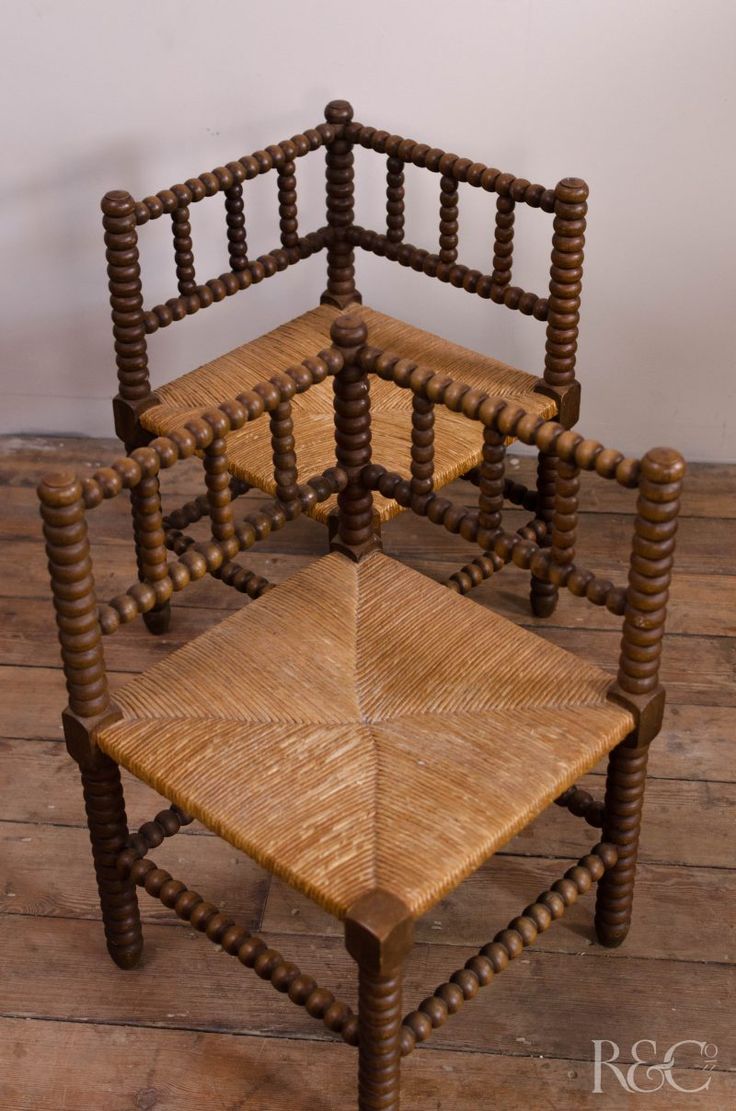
<point>366,734</point>
<point>141,414</point>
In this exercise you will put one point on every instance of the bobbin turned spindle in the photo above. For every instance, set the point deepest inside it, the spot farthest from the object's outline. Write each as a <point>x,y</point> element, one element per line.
<point>339,161</point>
<point>70,566</point>
<point>355,535</point>
<point>637,682</point>
<point>563,317</point>
<point>394,199</point>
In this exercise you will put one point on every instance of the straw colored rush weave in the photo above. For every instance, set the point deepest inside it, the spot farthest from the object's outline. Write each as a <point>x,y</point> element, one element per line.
<point>330,741</point>
<point>458,442</point>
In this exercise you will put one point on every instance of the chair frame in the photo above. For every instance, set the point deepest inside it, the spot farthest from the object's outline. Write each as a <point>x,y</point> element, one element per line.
<point>379,926</point>
<point>338,135</point>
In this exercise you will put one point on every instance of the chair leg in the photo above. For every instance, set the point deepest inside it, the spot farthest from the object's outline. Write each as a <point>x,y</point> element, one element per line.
<point>543,595</point>
<point>145,504</point>
<point>379,1049</point>
<point>108,831</point>
<point>625,783</point>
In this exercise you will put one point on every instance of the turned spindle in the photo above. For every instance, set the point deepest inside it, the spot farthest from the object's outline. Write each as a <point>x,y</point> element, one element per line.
<point>126,298</point>
<point>73,590</point>
<point>355,531</point>
<point>340,175</point>
<point>650,569</point>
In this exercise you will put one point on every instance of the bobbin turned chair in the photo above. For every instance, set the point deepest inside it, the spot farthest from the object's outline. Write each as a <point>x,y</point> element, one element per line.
<point>141,414</point>
<point>363,732</point>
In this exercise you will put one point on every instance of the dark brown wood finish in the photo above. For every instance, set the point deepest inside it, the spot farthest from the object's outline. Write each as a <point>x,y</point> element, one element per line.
<point>250,949</point>
<point>543,594</point>
<point>563,317</point>
<point>565,514</point>
<point>448,219</point>
<point>286,185</point>
<point>379,932</point>
<point>422,447</point>
<point>379,927</point>
<point>70,566</point>
<point>355,532</point>
<point>72,998</point>
<point>126,302</point>
<point>503,247</point>
<point>236,234</point>
<point>560,309</point>
<point>491,480</point>
<point>394,200</point>
<point>219,492</point>
<point>284,455</point>
<point>566,275</point>
<point>637,682</point>
<point>108,831</point>
<point>183,254</point>
<point>341,290</point>
<point>148,534</point>
<point>506,946</point>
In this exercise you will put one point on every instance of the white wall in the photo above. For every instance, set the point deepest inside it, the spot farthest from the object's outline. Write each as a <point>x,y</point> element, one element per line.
<point>636,96</point>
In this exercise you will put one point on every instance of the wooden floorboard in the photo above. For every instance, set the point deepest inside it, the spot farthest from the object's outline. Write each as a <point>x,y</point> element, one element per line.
<point>191,1028</point>
<point>120,1068</point>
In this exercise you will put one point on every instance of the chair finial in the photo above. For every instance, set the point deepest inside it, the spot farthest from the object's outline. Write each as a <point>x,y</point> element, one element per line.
<point>339,111</point>
<point>349,330</point>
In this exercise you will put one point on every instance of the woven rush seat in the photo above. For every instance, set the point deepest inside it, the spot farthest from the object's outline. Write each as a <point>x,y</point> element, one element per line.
<point>346,750</point>
<point>458,442</point>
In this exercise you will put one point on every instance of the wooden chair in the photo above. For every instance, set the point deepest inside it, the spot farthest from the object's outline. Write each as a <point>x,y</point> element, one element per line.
<point>141,414</point>
<point>367,734</point>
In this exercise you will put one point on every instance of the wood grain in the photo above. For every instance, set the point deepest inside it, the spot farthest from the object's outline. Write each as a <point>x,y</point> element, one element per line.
<point>172,1069</point>
<point>519,1006</point>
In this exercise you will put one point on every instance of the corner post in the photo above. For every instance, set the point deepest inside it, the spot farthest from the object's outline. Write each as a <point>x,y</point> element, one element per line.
<point>379,932</point>
<point>340,174</point>
<point>126,303</point>
<point>356,535</point>
<point>637,684</point>
<point>72,584</point>
<point>559,382</point>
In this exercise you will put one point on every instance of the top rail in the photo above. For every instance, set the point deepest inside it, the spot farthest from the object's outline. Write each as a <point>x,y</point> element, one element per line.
<point>249,166</point>
<point>438,161</point>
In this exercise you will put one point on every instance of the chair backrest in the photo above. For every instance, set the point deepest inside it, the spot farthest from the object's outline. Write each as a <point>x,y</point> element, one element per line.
<point>567,202</point>
<point>122,216</point>
<point>642,603</point>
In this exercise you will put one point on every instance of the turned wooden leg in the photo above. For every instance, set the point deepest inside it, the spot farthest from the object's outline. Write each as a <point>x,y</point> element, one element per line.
<point>625,783</point>
<point>543,595</point>
<point>108,831</point>
<point>379,932</point>
<point>150,550</point>
<point>379,1050</point>
<point>72,584</point>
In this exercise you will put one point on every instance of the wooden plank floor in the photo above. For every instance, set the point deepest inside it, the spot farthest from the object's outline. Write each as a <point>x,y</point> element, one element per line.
<point>190,1028</point>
